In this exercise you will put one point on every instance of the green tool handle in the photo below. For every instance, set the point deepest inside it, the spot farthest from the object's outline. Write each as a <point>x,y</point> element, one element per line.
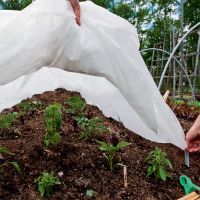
<point>188,185</point>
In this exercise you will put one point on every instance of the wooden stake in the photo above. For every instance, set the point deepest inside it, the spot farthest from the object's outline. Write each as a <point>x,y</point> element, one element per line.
<point>125,177</point>
<point>165,96</point>
<point>191,196</point>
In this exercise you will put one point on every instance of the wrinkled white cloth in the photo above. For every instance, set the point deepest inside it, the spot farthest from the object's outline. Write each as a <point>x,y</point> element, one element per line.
<point>105,45</point>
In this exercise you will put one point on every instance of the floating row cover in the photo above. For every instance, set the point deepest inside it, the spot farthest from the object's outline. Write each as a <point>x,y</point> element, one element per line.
<point>100,59</point>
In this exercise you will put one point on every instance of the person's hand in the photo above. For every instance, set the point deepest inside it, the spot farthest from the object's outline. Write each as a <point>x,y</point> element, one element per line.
<point>77,11</point>
<point>193,138</point>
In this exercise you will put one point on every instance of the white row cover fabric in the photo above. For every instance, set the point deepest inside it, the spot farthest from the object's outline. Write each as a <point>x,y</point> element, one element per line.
<point>96,91</point>
<point>105,45</point>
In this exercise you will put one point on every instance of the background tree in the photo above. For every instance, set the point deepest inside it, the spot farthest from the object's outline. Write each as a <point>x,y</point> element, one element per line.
<point>156,21</point>
<point>14,4</point>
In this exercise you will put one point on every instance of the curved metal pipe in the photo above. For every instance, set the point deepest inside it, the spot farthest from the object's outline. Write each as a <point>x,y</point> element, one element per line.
<point>172,54</point>
<point>197,61</point>
<point>190,83</point>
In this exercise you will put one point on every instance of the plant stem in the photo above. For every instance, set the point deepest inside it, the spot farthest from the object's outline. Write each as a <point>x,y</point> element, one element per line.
<point>110,161</point>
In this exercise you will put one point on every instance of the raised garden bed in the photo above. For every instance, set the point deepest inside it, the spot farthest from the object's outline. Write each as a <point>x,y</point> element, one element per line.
<point>79,164</point>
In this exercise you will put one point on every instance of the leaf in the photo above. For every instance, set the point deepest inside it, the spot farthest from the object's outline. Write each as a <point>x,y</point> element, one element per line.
<point>102,143</point>
<point>150,171</point>
<point>56,138</point>
<point>7,120</point>
<point>162,174</point>
<point>46,142</point>
<point>57,182</point>
<point>41,189</point>
<point>122,145</point>
<point>82,135</point>
<point>45,183</point>
<point>104,148</point>
<point>148,158</point>
<point>155,166</point>
<point>169,175</point>
<point>102,129</point>
<point>90,193</point>
<point>168,162</point>
<point>76,104</point>
<point>4,150</point>
<point>15,165</point>
<point>53,118</point>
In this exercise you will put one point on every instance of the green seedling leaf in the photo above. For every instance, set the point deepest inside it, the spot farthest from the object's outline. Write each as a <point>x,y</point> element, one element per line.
<point>8,119</point>
<point>90,193</point>
<point>4,150</point>
<point>90,127</point>
<point>158,163</point>
<point>15,165</point>
<point>168,162</point>
<point>150,171</point>
<point>46,182</point>
<point>56,138</point>
<point>53,119</point>
<point>122,145</point>
<point>162,174</point>
<point>76,104</point>
<point>111,150</point>
<point>26,106</point>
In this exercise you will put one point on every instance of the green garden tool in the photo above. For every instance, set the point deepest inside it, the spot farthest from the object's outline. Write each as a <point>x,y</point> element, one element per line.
<point>188,185</point>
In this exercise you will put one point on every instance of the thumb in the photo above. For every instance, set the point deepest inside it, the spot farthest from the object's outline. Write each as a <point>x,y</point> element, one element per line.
<point>76,8</point>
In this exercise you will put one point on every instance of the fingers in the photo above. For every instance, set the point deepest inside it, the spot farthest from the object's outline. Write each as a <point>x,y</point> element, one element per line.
<point>78,16</point>
<point>193,139</point>
<point>191,135</point>
<point>77,11</point>
<point>194,146</point>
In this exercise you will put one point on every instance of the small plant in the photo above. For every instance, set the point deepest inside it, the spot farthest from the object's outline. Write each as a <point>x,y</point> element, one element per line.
<point>177,102</point>
<point>53,118</point>
<point>76,104</point>
<point>46,181</point>
<point>111,150</point>
<point>7,120</point>
<point>158,162</point>
<point>194,103</point>
<point>26,106</point>
<point>4,150</point>
<point>90,126</point>
<point>90,193</point>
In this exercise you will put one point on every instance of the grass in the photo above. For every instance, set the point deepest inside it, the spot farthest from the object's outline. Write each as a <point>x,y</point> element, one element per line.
<point>190,103</point>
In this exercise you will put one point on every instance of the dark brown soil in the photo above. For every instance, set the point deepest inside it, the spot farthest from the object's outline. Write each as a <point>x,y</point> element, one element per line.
<point>82,163</point>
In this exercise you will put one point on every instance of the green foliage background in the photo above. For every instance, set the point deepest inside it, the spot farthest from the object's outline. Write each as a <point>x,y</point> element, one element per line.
<point>14,4</point>
<point>153,18</point>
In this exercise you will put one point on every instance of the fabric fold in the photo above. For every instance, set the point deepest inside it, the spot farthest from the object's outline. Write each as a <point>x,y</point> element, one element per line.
<point>105,45</point>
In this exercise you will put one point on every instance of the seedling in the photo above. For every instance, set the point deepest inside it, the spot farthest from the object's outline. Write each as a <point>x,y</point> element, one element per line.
<point>158,163</point>
<point>26,106</point>
<point>90,127</point>
<point>76,104</point>
<point>111,150</point>
<point>90,193</point>
<point>4,150</point>
<point>46,181</point>
<point>7,120</point>
<point>53,118</point>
